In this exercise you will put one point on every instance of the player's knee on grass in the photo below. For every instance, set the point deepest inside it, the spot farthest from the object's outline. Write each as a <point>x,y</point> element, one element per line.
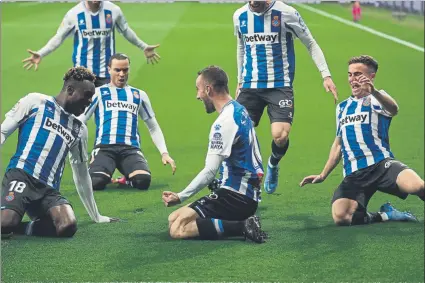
<point>141,181</point>
<point>9,220</point>
<point>66,229</point>
<point>100,181</point>
<point>343,210</point>
<point>172,217</point>
<point>342,219</point>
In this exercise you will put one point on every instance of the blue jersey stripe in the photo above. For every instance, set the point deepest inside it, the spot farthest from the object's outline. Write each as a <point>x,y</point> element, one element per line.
<point>291,57</point>
<point>261,53</point>
<point>54,154</point>
<point>243,23</point>
<point>84,50</point>
<point>368,136</point>
<point>122,117</point>
<point>352,140</point>
<point>41,139</point>
<point>277,50</point>
<point>76,43</point>
<point>96,46</point>
<point>108,51</point>
<point>107,116</point>
<point>134,130</point>
<point>24,134</point>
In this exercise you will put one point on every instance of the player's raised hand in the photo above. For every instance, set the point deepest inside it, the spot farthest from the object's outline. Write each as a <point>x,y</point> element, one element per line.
<point>33,60</point>
<point>312,179</point>
<point>170,198</point>
<point>366,84</point>
<point>166,159</point>
<point>330,87</point>
<point>150,54</point>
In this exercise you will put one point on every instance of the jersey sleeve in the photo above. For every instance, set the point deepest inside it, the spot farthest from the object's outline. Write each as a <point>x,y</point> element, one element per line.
<point>222,136</point>
<point>377,107</point>
<point>67,26</point>
<point>145,108</point>
<point>78,152</point>
<point>236,31</point>
<point>295,23</point>
<point>24,108</point>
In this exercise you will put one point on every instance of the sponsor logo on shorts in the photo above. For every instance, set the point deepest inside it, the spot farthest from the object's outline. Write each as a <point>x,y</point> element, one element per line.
<point>285,103</point>
<point>262,38</point>
<point>10,197</point>
<point>95,33</point>
<point>362,118</point>
<point>58,129</point>
<point>121,106</point>
<point>388,164</point>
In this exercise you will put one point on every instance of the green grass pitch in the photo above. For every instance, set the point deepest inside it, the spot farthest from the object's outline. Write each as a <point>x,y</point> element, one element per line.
<point>304,244</point>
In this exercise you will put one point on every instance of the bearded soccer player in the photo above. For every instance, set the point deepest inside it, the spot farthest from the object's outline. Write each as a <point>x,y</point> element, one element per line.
<point>93,24</point>
<point>48,130</point>
<point>233,148</point>
<point>265,33</point>
<point>362,140</point>
<point>116,107</point>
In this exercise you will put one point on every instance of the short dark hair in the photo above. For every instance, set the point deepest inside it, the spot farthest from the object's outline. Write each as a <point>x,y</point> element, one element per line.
<point>79,74</point>
<point>118,56</point>
<point>367,60</point>
<point>217,77</point>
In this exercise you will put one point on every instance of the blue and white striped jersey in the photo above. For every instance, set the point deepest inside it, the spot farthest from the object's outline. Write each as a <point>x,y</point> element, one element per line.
<point>116,112</point>
<point>266,46</point>
<point>94,35</point>
<point>363,127</point>
<point>233,136</point>
<point>46,134</point>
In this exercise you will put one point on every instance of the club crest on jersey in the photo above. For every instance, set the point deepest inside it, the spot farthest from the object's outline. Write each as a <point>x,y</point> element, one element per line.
<point>276,21</point>
<point>136,94</point>
<point>108,19</point>
<point>10,197</point>
<point>366,101</point>
<point>56,128</point>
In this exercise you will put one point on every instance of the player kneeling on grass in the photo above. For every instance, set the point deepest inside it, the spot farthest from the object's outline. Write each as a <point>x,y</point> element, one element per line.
<point>48,130</point>
<point>363,121</point>
<point>233,147</point>
<point>116,107</point>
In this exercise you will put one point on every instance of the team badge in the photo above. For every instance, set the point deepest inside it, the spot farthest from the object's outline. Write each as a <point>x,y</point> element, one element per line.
<point>136,94</point>
<point>108,19</point>
<point>366,101</point>
<point>10,197</point>
<point>276,21</point>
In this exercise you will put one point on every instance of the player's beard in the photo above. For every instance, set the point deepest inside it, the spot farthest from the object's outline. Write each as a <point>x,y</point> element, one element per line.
<point>209,106</point>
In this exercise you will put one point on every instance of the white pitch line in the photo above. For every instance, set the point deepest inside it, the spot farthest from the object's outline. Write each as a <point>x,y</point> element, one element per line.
<point>362,27</point>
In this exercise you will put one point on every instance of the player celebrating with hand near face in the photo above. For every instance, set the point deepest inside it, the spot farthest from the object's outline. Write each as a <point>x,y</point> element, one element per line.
<point>48,130</point>
<point>362,140</point>
<point>116,107</point>
<point>93,24</point>
<point>265,33</point>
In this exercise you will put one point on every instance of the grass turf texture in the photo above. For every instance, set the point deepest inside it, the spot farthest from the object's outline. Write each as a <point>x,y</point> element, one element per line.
<point>304,245</point>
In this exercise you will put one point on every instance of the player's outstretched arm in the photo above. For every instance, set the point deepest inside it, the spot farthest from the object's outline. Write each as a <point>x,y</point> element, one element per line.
<point>149,50</point>
<point>333,160</point>
<point>62,33</point>
<point>298,28</point>
<point>202,180</point>
<point>159,141</point>
<point>78,158</point>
